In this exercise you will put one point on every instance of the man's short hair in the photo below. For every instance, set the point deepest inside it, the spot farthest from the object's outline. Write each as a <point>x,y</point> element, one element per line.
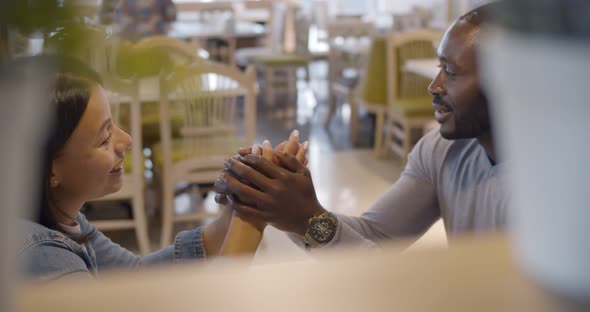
<point>482,14</point>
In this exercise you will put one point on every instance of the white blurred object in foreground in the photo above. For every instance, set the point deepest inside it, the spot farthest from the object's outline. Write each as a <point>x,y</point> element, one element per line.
<point>539,103</point>
<point>24,114</point>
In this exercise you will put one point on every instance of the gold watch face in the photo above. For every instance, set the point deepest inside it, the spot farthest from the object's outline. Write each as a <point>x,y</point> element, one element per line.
<point>322,230</point>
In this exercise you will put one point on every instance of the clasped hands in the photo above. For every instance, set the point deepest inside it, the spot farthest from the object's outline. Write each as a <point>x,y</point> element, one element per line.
<point>266,186</point>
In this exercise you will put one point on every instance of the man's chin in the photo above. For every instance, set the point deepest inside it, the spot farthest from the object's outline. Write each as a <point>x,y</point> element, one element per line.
<point>449,134</point>
<point>454,134</point>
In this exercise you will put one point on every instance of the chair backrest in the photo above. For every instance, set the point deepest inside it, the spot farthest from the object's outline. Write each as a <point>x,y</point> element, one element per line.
<point>302,25</point>
<point>320,13</point>
<point>179,52</point>
<point>348,33</point>
<point>417,19</point>
<point>372,86</point>
<point>218,103</point>
<point>349,28</point>
<point>277,26</point>
<point>401,47</point>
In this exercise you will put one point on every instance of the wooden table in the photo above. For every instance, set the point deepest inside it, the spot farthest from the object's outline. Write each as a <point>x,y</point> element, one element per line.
<point>424,67</point>
<point>198,30</point>
<point>475,274</point>
<point>149,88</point>
<point>260,16</point>
<point>230,33</point>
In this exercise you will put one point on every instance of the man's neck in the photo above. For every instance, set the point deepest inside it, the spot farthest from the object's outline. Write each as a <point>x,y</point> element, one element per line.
<point>487,142</point>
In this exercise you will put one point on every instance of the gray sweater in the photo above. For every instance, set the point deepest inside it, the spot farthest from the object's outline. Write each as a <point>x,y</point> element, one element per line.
<point>454,180</point>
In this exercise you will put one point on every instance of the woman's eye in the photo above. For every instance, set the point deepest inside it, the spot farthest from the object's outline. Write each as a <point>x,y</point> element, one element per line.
<point>107,141</point>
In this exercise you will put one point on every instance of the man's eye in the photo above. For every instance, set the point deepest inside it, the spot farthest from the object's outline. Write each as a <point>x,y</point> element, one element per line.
<point>447,71</point>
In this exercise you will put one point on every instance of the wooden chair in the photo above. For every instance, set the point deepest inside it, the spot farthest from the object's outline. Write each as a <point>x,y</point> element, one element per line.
<point>120,93</point>
<point>179,51</point>
<point>219,108</point>
<point>279,69</point>
<point>341,62</point>
<point>212,13</point>
<point>275,42</point>
<point>371,93</point>
<point>176,54</point>
<point>409,104</point>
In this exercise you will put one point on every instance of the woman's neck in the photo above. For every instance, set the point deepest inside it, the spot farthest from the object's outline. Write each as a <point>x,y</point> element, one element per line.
<point>65,211</point>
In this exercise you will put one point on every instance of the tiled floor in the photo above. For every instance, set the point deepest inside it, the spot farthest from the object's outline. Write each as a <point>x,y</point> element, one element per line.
<point>347,179</point>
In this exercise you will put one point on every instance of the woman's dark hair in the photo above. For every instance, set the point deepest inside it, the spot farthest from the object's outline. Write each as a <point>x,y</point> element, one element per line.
<point>69,98</point>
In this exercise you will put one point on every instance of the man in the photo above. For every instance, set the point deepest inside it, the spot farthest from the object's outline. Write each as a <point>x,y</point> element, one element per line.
<point>134,20</point>
<point>453,173</point>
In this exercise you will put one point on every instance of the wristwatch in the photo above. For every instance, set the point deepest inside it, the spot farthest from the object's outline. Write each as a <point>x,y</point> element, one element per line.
<point>321,229</point>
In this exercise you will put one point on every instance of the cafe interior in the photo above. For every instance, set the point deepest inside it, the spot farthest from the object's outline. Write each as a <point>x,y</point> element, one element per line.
<point>354,82</point>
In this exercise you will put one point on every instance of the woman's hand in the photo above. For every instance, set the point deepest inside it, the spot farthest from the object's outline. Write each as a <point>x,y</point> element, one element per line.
<point>295,149</point>
<point>243,237</point>
<point>284,198</point>
<point>214,233</point>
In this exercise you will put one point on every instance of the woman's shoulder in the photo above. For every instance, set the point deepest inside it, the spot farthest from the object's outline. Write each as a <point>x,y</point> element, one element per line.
<point>46,253</point>
<point>37,235</point>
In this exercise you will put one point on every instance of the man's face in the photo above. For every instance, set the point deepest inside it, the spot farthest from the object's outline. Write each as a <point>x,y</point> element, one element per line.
<point>460,106</point>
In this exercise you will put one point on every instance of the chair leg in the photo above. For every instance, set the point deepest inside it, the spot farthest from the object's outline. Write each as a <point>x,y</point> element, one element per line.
<point>231,51</point>
<point>167,215</point>
<point>389,135</point>
<point>268,87</point>
<point>292,82</point>
<point>140,219</point>
<point>332,103</point>
<point>354,120</point>
<point>291,109</point>
<point>378,147</point>
<point>407,141</point>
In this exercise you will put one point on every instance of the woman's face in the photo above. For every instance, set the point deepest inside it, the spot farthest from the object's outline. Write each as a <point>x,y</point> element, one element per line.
<point>91,162</point>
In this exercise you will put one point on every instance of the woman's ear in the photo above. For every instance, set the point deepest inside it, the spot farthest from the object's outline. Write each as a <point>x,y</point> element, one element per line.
<point>54,180</point>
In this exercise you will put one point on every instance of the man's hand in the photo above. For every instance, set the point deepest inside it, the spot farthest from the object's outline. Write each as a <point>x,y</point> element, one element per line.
<point>283,196</point>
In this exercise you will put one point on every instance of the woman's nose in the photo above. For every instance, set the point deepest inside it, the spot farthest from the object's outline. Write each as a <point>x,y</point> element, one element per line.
<point>123,143</point>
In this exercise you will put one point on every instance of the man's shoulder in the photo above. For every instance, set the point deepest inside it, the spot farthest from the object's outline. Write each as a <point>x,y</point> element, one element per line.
<point>433,151</point>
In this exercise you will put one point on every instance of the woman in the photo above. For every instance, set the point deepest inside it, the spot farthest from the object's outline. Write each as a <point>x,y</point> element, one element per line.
<point>84,161</point>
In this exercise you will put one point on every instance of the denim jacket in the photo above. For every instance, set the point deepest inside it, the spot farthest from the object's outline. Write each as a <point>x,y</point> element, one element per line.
<point>49,254</point>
